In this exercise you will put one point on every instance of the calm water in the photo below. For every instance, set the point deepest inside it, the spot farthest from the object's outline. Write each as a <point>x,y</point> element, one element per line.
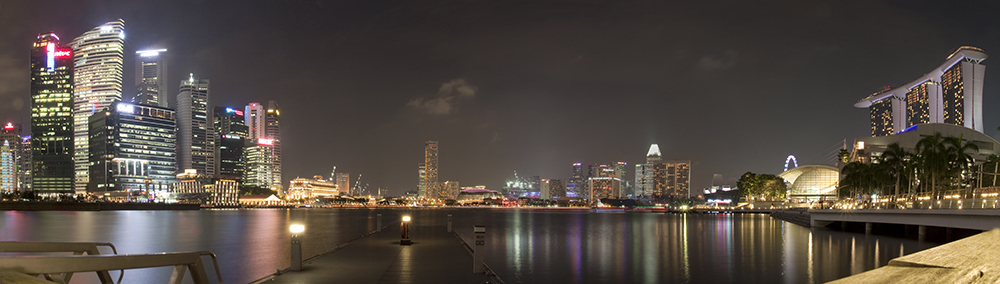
<point>524,246</point>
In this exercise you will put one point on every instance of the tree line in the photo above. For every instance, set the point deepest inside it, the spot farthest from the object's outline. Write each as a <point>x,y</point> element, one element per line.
<point>938,163</point>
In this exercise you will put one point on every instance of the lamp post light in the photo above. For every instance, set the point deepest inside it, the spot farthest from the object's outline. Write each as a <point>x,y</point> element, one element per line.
<point>404,231</point>
<point>296,251</point>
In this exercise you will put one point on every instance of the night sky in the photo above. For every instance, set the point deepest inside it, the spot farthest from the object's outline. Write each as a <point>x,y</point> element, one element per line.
<point>532,86</point>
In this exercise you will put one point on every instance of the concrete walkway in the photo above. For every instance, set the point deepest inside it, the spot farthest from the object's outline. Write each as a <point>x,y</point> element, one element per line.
<point>970,260</point>
<point>436,256</point>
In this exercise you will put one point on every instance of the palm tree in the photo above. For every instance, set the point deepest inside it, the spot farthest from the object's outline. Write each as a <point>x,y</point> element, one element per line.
<point>960,160</point>
<point>895,159</point>
<point>856,179</point>
<point>932,153</point>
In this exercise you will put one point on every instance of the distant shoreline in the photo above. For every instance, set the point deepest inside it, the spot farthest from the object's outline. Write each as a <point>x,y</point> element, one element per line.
<point>91,206</point>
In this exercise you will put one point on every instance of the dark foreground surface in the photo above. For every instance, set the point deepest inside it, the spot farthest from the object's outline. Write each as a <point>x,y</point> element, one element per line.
<point>435,256</point>
<point>523,246</point>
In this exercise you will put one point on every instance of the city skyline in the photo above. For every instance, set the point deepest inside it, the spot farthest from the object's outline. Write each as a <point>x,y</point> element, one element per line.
<point>734,90</point>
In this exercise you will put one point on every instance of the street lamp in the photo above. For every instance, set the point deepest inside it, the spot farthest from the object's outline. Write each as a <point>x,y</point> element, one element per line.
<point>296,250</point>
<point>404,230</point>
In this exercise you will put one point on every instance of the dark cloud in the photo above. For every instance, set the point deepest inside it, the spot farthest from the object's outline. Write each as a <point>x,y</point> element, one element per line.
<point>447,98</point>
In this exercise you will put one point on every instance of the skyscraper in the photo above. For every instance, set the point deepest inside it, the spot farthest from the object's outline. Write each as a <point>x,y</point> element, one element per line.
<point>8,167</point>
<point>151,78</point>
<point>952,93</point>
<point>273,131</point>
<point>575,185</point>
<point>10,134</point>
<point>644,173</point>
<point>430,169</point>
<point>264,124</point>
<point>99,58</point>
<point>132,147</point>
<point>51,116</point>
<point>231,136</point>
<point>421,180</point>
<point>259,166</point>
<point>678,174</point>
<point>343,181</point>
<point>195,133</point>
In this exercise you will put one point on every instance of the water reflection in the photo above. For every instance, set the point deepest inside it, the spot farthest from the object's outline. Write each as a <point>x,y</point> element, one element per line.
<point>537,246</point>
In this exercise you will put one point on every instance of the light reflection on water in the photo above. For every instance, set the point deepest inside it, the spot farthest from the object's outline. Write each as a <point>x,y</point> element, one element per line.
<point>564,246</point>
<point>523,246</point>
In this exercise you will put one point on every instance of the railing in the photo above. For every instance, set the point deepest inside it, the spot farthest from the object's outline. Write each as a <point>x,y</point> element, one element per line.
<point>60,269</point>
<point>75,248</point>
<point>982,198</point>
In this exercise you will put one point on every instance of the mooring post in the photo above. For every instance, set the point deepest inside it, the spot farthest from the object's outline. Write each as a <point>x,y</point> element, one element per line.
<point>480,251</point>
<point>449,223</point>
<point>378,222</point>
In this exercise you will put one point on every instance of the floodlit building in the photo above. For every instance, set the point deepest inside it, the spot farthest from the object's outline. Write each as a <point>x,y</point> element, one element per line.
<point>343,181</point>
<point>151,78</point>
<point>316,187</point>
<point>952,93</point>
<point>448,190</point>
<point>477,196</point>
<point>421,180</point>
<point>99,59</point>
<point>865,148</point>
<point>263,123</point>
<point>811,183</point>
<point>678,178</point>
<point>258,171</point>
<point>212,191</point>
<point>132,147</point>
<point>8,168</point>
<point>51,140</point>
<point>604,187</point>
<point>195,133</point>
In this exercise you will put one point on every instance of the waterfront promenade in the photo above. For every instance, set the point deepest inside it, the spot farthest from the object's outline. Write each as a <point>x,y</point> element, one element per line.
<point>436,256</point>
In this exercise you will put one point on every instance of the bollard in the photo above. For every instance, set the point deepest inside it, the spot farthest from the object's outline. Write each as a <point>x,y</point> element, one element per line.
<point>378,223</point>
<point>480,252</point>
<point>449,223</point>
<point>404,231</point>
<point>296,246</point>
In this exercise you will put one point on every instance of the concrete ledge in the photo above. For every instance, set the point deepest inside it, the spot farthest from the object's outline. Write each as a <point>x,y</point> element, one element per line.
<point>975,219</point>
<point>969,260</point>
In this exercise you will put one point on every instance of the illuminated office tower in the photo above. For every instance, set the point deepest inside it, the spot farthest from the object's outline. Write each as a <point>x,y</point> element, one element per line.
<point>644,173</point>
<point>99,58</point>
<point>195,133</point>
<point>132,148</point>
<point>575,184</point>
<point>421,180</point>
<point>151,78</point>
<point>430,169</point>
<point>273,131</point>
<point>263,123</point>
<point>52,167</point>
<point>230,141</point>
<point>10,135</point>
<point>952,93</point>
<point>8,168</point>
<point>258,171</point>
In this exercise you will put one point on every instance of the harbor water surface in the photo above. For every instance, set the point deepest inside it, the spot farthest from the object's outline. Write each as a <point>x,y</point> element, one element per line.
<point>523,245</point>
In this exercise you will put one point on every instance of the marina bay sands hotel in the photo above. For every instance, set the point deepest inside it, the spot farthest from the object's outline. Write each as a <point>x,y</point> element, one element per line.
<point>950,94</point>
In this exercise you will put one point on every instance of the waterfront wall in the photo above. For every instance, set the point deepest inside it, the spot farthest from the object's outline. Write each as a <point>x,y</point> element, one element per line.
<point>798,217</point>
<point>81,206</point>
